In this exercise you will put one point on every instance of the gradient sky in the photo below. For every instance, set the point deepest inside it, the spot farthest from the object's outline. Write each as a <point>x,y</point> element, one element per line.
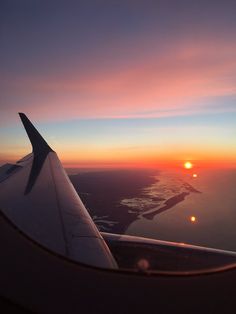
<point>111,83</point>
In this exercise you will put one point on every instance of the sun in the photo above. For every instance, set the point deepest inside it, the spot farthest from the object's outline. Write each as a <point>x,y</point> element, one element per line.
<point>188,165</point>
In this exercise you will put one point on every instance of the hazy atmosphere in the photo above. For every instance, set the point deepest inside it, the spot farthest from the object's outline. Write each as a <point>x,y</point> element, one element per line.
<point>120,83</point>
<point>118,156</point>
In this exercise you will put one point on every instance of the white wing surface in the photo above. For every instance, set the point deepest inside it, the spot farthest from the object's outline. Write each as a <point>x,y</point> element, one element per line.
<point>38,197</point>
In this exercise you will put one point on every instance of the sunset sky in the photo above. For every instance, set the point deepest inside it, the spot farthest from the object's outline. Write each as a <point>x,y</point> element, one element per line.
<point>120,83</point>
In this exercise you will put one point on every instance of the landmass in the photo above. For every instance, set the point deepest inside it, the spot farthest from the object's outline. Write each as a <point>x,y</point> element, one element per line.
<point>115,199</point>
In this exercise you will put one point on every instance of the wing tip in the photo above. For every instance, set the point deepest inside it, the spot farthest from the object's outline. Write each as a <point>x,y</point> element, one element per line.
<point>37,141</point>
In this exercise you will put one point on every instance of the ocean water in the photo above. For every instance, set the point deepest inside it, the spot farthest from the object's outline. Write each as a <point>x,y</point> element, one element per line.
<point>166,205</point>
<point>213,206</point>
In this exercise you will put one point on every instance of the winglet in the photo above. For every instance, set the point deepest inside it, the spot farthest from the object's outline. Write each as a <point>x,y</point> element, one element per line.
<point>39,145</point>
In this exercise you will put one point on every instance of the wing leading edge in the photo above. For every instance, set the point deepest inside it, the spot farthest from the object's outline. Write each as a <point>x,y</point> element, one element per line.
<point>40,200</point>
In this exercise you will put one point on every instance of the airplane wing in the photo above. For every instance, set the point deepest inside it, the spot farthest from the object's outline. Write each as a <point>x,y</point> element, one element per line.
<point>37,196</point>
<point>39,207</point>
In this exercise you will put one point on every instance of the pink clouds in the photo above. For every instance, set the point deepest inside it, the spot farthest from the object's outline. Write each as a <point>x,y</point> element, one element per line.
<point>161,85</point>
